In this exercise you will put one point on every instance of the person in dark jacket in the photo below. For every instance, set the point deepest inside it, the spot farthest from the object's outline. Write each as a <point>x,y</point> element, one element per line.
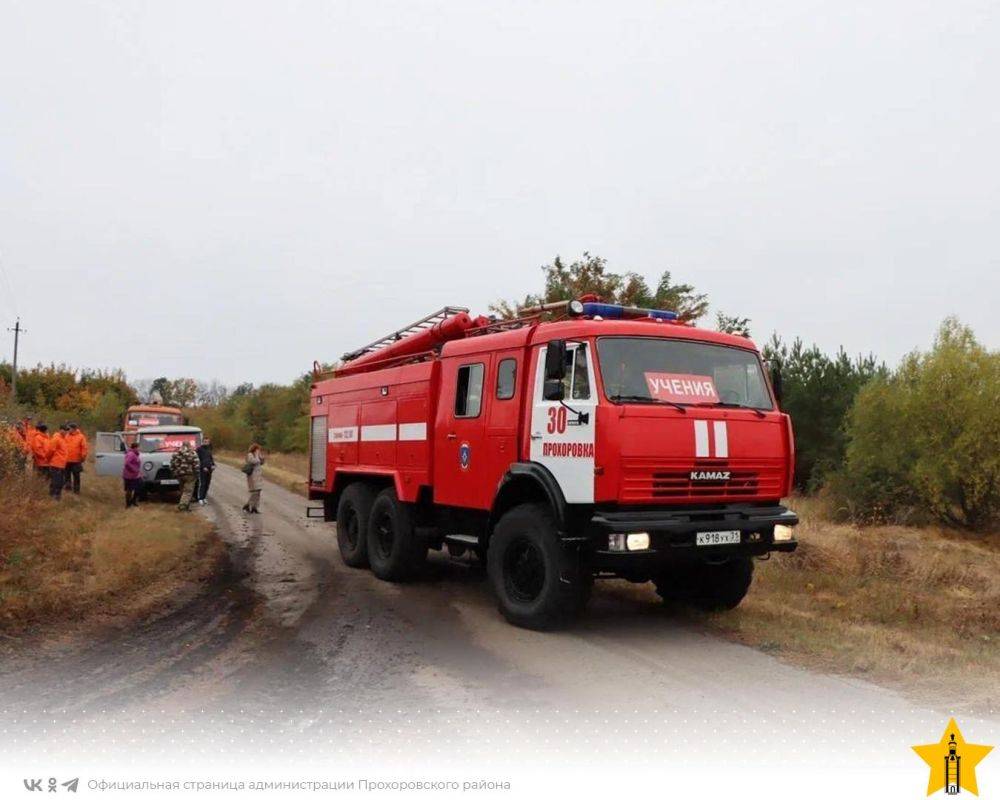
<point>207,462</point>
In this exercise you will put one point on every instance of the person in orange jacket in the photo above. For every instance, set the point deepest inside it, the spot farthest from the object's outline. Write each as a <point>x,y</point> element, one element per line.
<point>57,462</point>
<point>76,454</point>
<point>40,449</point>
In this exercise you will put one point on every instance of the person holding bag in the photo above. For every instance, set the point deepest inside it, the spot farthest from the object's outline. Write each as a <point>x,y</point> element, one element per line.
<point>253,469</point>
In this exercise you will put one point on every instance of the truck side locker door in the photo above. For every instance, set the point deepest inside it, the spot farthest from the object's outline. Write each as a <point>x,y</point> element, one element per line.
<point>563,434</point>
<point>461,458</point>
<point>413,448</point>
<point>109,454</point>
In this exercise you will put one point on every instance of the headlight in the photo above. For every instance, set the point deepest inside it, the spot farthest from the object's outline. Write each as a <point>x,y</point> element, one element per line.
<point>620,542</point>
<point>147,466</point>
<point>637,541</point>
<point>782,533</point>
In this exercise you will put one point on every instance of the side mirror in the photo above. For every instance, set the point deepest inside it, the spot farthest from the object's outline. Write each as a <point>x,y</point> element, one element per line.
<point>555,360</point>
<point>775,371</point>
<point>553,390</point>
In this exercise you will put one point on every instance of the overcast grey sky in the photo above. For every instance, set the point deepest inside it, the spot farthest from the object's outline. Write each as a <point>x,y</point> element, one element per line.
<point>233,189</point>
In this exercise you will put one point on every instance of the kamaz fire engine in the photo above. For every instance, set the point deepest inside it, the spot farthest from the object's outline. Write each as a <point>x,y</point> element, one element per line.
<point>583,440</point>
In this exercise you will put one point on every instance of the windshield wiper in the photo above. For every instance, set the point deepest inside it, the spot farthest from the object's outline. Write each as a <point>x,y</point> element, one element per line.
<point>639,398</point>
<point>723,404</point>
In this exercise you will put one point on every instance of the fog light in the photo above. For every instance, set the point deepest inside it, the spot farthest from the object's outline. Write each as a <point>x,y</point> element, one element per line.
<point>616,542</point>
<point>637,541</point>
<point>782,533</point>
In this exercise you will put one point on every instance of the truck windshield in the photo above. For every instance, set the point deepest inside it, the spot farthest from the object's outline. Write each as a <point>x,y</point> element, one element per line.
<point>143,419</point>
<point>640,369</point>
<point>166,442</point>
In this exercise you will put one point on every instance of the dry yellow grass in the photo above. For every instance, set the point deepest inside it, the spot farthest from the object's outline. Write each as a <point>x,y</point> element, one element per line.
<point>89,557</point>
<point>288,470</point>
<point>915,608</point>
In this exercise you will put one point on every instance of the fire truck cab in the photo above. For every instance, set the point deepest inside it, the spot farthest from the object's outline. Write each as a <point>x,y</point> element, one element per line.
<point>609,442</point>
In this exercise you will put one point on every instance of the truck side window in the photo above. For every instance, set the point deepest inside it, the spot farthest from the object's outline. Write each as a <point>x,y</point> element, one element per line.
<point>576,384</point>
<point>506,378</point>
<point>469,393</point>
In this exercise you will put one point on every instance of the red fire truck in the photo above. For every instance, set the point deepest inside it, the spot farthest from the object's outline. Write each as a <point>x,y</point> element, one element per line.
<point>584,440</point>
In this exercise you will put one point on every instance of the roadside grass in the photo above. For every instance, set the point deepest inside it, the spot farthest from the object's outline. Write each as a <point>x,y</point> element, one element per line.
<point>917,609</point>
<point>288,470</point>
<point>88,557</point>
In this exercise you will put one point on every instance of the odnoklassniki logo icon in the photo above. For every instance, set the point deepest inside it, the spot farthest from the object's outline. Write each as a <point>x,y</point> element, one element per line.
<point>952,761</point>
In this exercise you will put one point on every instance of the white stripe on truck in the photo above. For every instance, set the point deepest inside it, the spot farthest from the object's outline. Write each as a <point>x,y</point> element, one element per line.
<point>701,438</point>
<point>378,433</point>
<point>412,431</point>
<point>721,440</point>
<point>404,432</point>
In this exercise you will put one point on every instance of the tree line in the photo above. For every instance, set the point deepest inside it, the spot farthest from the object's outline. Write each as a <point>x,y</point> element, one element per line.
<point>921,441</point>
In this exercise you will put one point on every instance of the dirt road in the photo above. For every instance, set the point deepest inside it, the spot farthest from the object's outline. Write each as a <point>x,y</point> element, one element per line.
<point>293,654</point>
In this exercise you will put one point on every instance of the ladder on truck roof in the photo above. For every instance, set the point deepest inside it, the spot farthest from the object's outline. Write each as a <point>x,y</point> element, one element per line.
<point>415,327</point>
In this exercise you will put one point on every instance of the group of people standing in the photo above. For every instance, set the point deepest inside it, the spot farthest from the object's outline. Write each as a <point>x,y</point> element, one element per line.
<point>191,467</point>
<point>58,457</point>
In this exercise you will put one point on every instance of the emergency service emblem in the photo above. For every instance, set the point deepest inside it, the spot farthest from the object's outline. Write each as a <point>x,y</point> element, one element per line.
<point>952,762</point>
<point>464,455</point>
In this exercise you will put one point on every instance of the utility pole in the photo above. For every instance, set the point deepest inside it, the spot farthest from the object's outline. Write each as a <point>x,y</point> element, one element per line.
<point>18,330</point>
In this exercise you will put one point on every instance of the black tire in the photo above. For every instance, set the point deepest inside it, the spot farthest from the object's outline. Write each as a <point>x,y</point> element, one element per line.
<point>538,582</point>
<point>353,513</point>
<point>394,550</point>
<point>709,587</point>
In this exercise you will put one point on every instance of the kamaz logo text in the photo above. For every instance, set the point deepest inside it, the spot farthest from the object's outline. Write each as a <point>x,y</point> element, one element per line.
<point>710,476</point>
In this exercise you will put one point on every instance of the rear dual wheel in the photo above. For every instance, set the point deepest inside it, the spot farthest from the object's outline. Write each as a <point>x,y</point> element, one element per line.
<point>395,552</point>
<point>353,513</point>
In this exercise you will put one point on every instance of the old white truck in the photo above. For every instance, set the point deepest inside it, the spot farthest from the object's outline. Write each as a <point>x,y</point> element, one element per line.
<point>157,444</point>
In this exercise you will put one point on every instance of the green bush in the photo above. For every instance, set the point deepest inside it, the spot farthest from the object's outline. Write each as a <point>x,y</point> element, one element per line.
<point>818,393</point>
<point>926,440</point>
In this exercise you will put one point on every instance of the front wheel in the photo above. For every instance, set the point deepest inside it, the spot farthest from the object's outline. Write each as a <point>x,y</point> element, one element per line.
<point>539,583</point>
<point>709,587</point>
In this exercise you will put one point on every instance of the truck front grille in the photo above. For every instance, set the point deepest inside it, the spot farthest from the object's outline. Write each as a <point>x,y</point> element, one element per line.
<point>664,481</point>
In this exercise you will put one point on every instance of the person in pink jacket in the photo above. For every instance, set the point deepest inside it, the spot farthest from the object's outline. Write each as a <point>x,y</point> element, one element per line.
<point>132,476</point>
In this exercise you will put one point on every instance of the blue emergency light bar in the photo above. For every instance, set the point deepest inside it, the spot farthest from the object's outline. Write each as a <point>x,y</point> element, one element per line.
<point>610,311</point>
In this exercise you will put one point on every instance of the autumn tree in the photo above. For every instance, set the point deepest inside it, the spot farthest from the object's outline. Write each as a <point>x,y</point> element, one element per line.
<point>590,275</point>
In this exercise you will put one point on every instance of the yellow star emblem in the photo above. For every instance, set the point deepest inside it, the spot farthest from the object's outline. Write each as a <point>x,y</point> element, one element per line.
<point>961,773</point>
